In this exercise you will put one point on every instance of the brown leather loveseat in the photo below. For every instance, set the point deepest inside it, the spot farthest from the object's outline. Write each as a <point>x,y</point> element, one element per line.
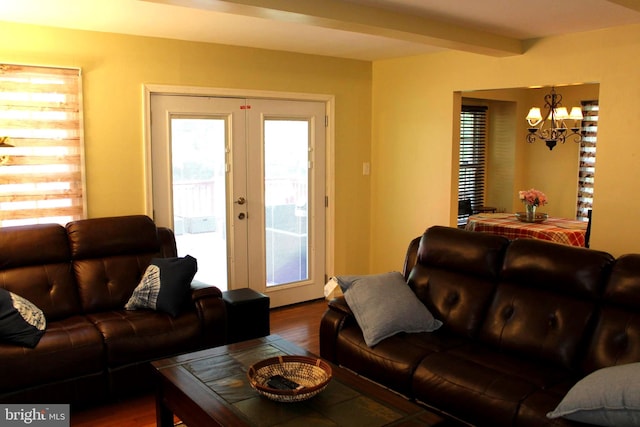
<point>81,276</point>
<point>523,322</point>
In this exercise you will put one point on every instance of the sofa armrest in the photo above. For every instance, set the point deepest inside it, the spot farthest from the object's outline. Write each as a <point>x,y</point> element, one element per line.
<point>200,290</point>
<point>332,322</point>
<point>340,304</point>
<point>212,312</point>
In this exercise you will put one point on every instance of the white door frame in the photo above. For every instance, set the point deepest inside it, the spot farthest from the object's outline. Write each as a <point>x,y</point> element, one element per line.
<point>329,101</point>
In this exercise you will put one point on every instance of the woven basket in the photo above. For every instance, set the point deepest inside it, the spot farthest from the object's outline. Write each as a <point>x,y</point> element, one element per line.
<point>312,373</point>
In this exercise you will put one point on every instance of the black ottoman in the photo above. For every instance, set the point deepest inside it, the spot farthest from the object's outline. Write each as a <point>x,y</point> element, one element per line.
<point>247,314</point>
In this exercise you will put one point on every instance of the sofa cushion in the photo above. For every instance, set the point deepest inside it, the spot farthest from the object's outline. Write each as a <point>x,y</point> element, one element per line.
<point>133,337</point>
<point>165,285</point>
<point>491,384</point>
<point>465,252</point>
<point>616,337</point>
<point>109,236</point>
<point>455,274</point>
<point>623,285</point>
<point>70,348</point>
<point>540,264</point>
<point>21,322</point>
<point>110,256</point>
<point>555,323</point>
<point>460,301</point>
<point>34,264</point>
<point>33,245</point>
<point>607,397</point>
<point>384,305</point>
<point>383,363</point>
<point>533,410</point>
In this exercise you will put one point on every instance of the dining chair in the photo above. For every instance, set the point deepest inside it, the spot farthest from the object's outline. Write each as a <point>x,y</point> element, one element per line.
<point>587,234</point>
<point>464,211</point>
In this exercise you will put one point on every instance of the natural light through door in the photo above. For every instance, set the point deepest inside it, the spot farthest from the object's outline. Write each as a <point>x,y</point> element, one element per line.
<point>286,193</point>
<point>199,193</point>
<point>242,184</point>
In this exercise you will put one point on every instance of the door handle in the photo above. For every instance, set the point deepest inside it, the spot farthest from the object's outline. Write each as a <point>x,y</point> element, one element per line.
<point>241,201</point>
<point>242,215</point>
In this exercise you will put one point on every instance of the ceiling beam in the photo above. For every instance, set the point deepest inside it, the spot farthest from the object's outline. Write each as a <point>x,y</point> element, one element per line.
<point>344,16</point>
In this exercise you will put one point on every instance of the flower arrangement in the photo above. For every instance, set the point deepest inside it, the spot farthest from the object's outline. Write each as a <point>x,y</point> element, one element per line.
<point>533,197</point>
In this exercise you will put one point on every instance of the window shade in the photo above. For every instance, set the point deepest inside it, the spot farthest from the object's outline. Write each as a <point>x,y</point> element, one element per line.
<point>473,140</point>
<point>41,178</point>
<point>587,169</point>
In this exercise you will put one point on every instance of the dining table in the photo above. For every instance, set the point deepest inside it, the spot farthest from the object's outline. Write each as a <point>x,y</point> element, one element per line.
<point>558,230</point>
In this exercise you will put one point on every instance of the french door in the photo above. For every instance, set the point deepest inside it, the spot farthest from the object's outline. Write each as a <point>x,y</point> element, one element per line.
<point>241,183</point>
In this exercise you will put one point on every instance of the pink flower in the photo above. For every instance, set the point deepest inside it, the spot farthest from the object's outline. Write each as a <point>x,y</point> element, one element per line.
<point>533,197</point>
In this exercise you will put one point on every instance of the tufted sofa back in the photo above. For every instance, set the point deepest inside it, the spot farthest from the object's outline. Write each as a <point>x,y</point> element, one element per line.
<point>454,274</point>
<point>35,263</point>
<point>546,300</point>
<point>616,339</point>
<point>538,299</point>
<point>92,265</point>
<point>110,255</point>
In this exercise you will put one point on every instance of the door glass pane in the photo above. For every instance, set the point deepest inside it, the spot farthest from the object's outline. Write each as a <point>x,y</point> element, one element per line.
<point>286,194</point>
<point>199,195</point>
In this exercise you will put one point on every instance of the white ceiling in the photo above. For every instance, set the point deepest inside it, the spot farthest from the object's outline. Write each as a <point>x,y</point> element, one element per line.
<point>358,29</point>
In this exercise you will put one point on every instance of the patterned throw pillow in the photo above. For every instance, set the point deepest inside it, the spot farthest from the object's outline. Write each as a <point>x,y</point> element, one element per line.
<point>21,322</point>
<point>165,285</point>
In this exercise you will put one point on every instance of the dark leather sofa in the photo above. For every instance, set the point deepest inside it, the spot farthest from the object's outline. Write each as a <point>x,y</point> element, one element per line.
<point>523,322</point>
<point>81,277</point>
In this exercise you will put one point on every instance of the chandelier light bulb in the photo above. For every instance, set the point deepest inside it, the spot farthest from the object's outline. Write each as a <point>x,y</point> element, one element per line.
<point>561,113</point>
<point>534,117</point>
<point>576,114</point>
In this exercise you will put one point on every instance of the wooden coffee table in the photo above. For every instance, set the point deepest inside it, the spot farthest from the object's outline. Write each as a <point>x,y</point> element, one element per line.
<point>210,388</point>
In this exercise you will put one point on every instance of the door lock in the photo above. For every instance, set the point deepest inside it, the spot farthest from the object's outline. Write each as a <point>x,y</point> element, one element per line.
<point>241,201</point>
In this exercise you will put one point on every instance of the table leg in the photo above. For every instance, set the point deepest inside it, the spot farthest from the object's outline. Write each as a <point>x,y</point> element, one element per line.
<point>164,415</point>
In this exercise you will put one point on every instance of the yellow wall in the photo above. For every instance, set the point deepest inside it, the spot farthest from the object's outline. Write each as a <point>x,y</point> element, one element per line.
<point>399,113</point>
<point>413,133</point>
<point>115,67</point>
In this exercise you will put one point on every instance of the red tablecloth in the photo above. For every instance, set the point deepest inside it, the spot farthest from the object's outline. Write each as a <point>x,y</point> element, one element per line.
<point>559,230</point>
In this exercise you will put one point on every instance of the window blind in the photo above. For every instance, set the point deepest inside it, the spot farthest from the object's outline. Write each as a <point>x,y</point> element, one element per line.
<point>473,141</point>
<point>587,169</point>
<point>42,175</point>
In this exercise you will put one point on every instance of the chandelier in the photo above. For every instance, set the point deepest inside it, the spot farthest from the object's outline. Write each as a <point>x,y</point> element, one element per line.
<point>555,115</point>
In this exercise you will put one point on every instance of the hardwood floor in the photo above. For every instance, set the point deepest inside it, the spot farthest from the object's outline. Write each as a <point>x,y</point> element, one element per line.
<point>299,324</point>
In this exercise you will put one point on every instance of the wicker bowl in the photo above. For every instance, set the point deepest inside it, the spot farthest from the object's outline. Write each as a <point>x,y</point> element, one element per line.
<point>312,373</point>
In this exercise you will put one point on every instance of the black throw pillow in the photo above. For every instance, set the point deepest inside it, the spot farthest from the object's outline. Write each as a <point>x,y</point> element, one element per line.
<point>165,285</point>
<point>21,322</point>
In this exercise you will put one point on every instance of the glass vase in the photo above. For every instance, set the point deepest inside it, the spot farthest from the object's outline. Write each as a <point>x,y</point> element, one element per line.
<point>531,213</point>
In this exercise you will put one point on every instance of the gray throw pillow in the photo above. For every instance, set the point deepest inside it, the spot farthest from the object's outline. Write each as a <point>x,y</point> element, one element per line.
<point>607,397</point>
<point>384,305</point>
